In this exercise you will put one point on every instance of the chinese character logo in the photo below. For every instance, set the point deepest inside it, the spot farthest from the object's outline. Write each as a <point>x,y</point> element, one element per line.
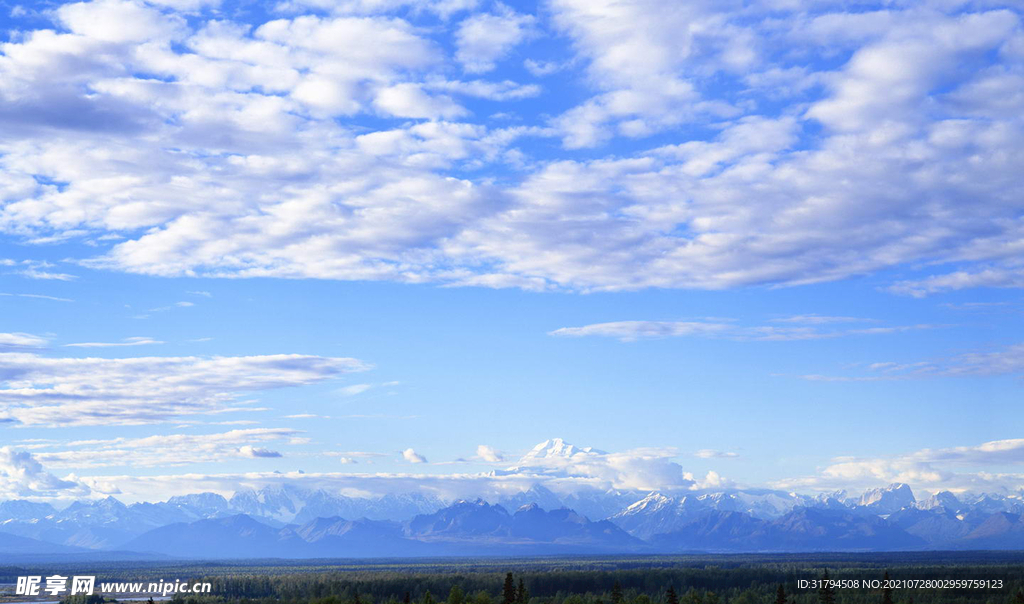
<point>83,585</point>
<point>28,586</point>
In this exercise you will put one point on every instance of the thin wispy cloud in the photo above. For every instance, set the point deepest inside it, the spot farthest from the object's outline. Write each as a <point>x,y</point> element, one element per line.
<point>167,449</point>
<point>715,454</point>
<point>132,341</point>
<point>22,341</point>
<point>803,328</point>
<point>96,391</point>
<point>39,297</point>
<point>1005,361</point>
<point>354,389</point>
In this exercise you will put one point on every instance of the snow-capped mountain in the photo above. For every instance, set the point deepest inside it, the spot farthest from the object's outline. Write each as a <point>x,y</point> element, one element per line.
<point>305,523</point>
<point>19,509</point>
<point>892,498</point>
<point>536,494</point>
<point>553,457</point>
<point>279,503</point>
<point>556,448</point>
<point>658,513</point>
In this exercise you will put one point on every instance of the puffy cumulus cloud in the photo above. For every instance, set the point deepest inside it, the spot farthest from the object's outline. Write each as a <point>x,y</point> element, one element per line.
<point>952,468</point>
<point>21,341</point>
<point>163,449</point>
<point>409,100</point>
<point>482,40</point>
<point>119,21</point>
<point>489,454</point>
<point>21,475</point>
<point>257,452</point>
<point>638,55</point>
<point>817,328</point>
<point>711,480</point>
<point>567,466</point>
<point>795,145</point>
<point>94,391</point>
<point>412,456</point>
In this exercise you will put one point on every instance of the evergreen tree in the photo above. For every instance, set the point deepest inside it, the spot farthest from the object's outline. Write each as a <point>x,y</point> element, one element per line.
<point>617,593</point>
<point>407,599</point>
<point>670,596</point>
<point>780,595</point>
<point>455,596</point>
<point>522,594</point>
<point>886,589</point>
<point>826,595</point>
<point>427,598</point>
<point>508,593</point>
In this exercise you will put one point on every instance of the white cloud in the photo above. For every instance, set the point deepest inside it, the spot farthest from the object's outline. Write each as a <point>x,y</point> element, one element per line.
<point>633,330</point>
<point>203,146</point>
<point>257,452</point>
<point>814,328</point>
<point>21,341</point>
<point>21,475</point>
<point>484,39</point>
<point>990,277</point>
<point>578,471</point>
<point>412,456</point>
<point>354,389</point>
<point>141,390</point>
<point>409,100</point>
<point>927,469</point>
<point>39,297</point>
<point>1007,361</point>
<point>557,462</point>
<point>132,341</point>
<point>164,449</point>
<point>118,21</point>
<point>489,454</point>
<point>715,454</point>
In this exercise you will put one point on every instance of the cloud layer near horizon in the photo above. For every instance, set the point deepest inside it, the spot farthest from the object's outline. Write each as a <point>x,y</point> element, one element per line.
<point>711,145</point>
<point>22,474</point>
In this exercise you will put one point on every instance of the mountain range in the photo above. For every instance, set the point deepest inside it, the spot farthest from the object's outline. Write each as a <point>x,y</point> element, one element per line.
<point>292,522</point>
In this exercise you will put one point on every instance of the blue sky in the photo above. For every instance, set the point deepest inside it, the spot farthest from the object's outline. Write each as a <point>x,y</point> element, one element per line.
<point>770,243</point>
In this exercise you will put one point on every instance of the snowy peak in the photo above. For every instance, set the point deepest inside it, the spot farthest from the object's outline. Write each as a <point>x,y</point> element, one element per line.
<point>20,509</point>
<point>892,498</point>
<point>653,502</point>
<point>942,499</point>
<point>554,448</point>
